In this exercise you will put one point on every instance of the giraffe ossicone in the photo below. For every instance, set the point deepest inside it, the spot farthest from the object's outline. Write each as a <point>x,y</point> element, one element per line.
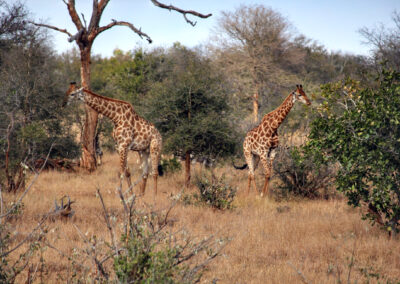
<point>131,132</point>
<point>261,142</point>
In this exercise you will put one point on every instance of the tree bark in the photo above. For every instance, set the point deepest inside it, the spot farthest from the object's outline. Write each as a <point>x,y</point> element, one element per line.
<point>187,169</point>
<point>88,158</point>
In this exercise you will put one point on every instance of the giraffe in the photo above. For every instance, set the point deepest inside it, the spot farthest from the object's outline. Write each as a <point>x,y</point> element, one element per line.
<point>131,132</point>
<point>261,142</point>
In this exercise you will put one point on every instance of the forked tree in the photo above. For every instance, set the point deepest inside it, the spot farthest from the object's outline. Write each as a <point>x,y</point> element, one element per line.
<point>84,38</point>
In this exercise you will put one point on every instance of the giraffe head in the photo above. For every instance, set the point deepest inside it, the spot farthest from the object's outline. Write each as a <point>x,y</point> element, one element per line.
<point>72,93</point>
<point>300,95</point>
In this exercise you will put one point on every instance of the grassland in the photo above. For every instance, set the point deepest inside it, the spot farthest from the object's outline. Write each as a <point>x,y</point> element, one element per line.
<point>318,241</point>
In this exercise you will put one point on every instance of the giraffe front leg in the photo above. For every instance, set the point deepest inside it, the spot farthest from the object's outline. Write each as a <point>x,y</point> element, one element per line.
<point>124,170</point>
<point>144,164</point>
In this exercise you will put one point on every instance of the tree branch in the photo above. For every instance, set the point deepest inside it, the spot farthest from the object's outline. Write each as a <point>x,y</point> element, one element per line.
<point>74,15</point>
<point>102,5</point>
<point>51,27</point>
<point>127,24</point>
<point>183,12</point>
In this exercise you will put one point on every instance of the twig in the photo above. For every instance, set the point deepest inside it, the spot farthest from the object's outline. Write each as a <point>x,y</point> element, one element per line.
<point>351,264</point>
<point>303,278</point>
<point>106,217</point>
<point>26,238</point>
<point>91,251</point>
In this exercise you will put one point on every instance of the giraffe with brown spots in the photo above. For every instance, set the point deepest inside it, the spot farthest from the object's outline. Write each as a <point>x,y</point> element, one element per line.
<point>261,142</point>
<point>131,132</point>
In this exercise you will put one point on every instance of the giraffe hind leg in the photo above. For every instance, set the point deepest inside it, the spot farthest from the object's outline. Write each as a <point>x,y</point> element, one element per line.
<point>267,165</point>
<point>155,153</point>
<point>250,160</point>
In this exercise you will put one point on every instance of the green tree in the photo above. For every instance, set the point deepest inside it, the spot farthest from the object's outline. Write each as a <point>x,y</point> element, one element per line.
<point>30,94</point>
<point>190,108</point>
<point>359,130</point>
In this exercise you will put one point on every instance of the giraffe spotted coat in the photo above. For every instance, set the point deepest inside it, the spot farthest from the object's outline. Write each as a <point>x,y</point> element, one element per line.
<point>131,132</point>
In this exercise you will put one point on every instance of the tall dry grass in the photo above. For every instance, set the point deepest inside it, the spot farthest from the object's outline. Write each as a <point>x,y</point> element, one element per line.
<point>287,242</point>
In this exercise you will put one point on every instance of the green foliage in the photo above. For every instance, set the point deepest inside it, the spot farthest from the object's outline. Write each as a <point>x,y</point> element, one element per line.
<point>142,262</point>
<point>31,93</point>
<point>213,191</point>
<point>149,252</point>
<point>171,165</point>
<point>298,176</point>
<point>190,108</point>
<point>359,129</point>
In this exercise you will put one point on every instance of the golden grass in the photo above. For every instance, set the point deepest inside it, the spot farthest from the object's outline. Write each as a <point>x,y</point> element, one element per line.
<point>271,242</point>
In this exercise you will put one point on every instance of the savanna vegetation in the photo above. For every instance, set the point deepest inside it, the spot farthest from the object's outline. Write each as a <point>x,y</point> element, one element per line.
<point>60,223</point>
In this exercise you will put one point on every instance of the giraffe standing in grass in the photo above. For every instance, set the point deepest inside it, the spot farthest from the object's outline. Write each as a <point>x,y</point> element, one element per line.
<point>131,132</point>
<point>261,142</point>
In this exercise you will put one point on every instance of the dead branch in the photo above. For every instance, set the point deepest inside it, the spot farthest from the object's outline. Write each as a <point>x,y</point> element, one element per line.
<point>127,24</point>
<point>107,219</point>
<point>51,27</point>
<point>183,12</point>
<point>54,164</point>
<point>64,211</point>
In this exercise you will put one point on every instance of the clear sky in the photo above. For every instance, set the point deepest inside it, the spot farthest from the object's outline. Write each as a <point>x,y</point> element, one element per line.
<point>332,23</point>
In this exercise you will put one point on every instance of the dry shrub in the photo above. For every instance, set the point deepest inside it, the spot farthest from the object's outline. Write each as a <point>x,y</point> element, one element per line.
<point>299,177</point>
<point>213,191</point>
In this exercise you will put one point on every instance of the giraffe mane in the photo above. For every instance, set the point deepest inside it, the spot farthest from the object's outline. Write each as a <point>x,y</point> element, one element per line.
<point>105,98</point>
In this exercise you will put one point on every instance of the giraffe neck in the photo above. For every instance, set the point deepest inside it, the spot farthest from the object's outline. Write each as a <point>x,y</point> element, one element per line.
<point>108,107</point>
<point>275,118</point>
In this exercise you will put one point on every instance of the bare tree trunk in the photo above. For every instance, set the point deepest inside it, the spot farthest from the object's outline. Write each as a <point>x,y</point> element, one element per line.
<point>255,106</point>
<point>88,159</point>
<point>187,169</point>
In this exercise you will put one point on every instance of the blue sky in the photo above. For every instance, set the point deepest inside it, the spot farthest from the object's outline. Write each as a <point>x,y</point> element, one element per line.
<point>332,23</point>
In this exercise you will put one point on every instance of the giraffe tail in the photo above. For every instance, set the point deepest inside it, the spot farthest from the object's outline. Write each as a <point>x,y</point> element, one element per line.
<point>239,167</point>
<point>160,170</point>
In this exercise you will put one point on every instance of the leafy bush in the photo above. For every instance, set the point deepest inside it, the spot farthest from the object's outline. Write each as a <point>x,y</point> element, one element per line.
<point>359,129</point>
<point>147,251</point>
<point>214,192</point>
<point>299,176</point>
<point>171,165</point>
<point>141,262</point>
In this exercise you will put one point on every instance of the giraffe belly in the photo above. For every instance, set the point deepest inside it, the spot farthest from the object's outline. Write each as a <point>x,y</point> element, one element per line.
<point>261,150</point>
<point>139,145</point>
